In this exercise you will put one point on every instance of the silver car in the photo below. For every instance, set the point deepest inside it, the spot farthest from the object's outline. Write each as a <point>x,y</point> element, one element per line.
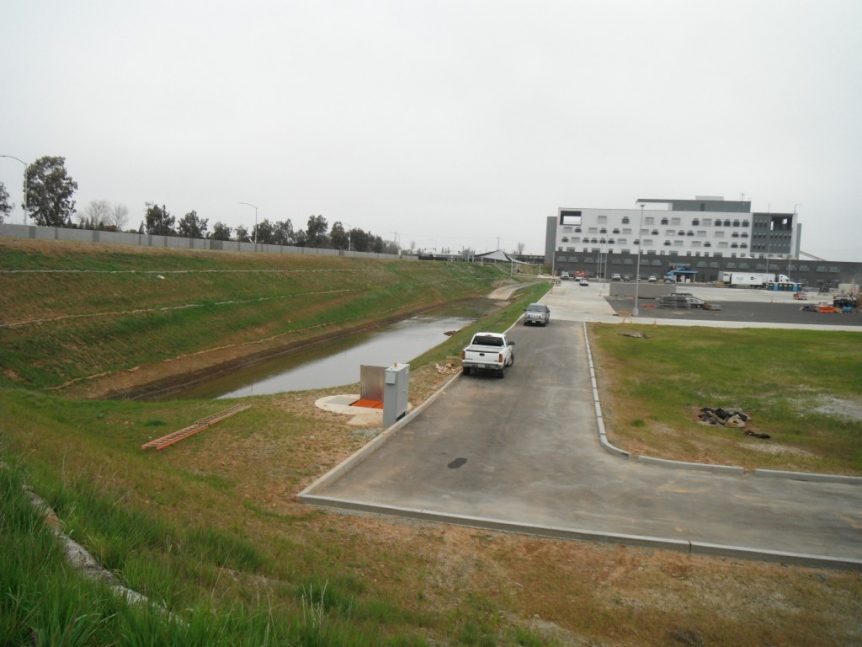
<point>537,313</point>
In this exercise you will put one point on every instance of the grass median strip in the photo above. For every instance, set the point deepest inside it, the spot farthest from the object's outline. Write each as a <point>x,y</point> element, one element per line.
<point>802,388</point>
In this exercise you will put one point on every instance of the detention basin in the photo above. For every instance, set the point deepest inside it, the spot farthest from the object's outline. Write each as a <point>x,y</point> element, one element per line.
<point>331,363</point>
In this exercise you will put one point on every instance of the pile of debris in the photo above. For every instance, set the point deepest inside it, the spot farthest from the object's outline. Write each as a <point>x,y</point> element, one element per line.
<point>728,418</point>
<point>724,417</point>
<point>447,369</point>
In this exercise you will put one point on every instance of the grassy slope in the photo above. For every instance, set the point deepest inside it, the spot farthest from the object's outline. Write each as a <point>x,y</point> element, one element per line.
<point>122,309</point>
<point>654,388</point>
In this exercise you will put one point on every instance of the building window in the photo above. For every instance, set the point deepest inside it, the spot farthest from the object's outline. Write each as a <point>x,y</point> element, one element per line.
<point>602,219</point>
<point>678,243</point>
<point>667,243</point>
<point>735,234</point>
<point>664,221</point>
<point>668,232</point>
<point>564,239</point>
<point>681,232</point>
<point>654,232</point>
<point>603,230</point>
<point>744,234</point>
<point>625,220</point>
<point>707,222</point>
<point>616,230</point>
<point>701,233</point>
<point>707,244</point>
<point>736,223</point>
<point>695,222</point>
<point>592,230</point>
<point>719,234</point>
<point>578,229</point>
<point>627,230</point>
<point>727,223</point>
<point>675,221</point>
<point>745,223</point>
<point>622,241</point>
<point>649,220</point>
<point>567,230</point>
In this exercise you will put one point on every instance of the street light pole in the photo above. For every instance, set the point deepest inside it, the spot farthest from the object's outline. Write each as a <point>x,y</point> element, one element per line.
<point>635,312</point>
<point>248,204</point>
<point>24,203</point>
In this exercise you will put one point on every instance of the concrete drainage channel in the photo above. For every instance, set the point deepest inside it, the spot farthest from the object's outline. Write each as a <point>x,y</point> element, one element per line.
<point>681,545</point>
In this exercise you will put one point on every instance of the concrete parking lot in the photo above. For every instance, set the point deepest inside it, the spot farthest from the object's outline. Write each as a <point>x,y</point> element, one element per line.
<point>522,453</point>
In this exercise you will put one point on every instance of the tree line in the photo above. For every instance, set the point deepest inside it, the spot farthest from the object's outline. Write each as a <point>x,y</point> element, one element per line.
<point>48,200</point>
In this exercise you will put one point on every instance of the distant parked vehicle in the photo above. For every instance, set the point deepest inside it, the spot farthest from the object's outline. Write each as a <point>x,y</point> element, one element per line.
<point>565,276</point>
<point>616,277</point>
<point>537,313</point>
<point>652,278</point>
<point>583,283</point>
<point>627,277</point>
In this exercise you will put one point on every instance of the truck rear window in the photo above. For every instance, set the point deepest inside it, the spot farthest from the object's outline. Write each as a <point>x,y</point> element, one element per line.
<point>488,341</point>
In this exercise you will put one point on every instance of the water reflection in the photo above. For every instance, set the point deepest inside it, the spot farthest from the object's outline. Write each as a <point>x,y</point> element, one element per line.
<point>333,363</point>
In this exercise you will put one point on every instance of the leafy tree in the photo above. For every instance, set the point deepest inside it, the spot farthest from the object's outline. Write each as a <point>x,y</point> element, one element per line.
<point>49,191</point>
<point>339,238</point>
<point>265,232</point>
<point>300,238</point>
<point>96,215</point>
<point>242,234</point>
<point>191,226</point>
<point>159,221</point>
<point>220,231</point>
<point>377,245</point>
<point>360,240</point>
<point>119,216</point>
<point>315,231</point>
<point>5,205</point>
<point>283,232</point>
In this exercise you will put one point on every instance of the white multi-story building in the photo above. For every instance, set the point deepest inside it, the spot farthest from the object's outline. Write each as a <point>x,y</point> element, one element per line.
<point>705,227</point>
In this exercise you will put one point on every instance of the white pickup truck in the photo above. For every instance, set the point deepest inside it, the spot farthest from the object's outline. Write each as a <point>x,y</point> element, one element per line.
<point>489,351</point>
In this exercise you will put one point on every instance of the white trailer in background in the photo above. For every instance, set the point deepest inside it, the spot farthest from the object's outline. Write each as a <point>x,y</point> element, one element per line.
<point>755,279</point>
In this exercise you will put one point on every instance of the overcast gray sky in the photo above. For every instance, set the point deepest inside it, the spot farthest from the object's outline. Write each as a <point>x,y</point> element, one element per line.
<point>451,123</point>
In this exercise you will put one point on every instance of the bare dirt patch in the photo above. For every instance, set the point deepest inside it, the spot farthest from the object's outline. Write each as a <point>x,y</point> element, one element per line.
<point>839,408</point>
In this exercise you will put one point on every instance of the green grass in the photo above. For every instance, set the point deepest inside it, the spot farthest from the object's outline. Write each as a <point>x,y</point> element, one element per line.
<point>779,377</point>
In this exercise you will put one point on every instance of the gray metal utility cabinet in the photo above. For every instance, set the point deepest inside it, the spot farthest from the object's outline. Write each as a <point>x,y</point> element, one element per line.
<point>395,383</point>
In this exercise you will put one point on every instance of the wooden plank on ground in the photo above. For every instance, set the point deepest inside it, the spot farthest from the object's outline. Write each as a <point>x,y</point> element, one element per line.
<point>199,425</point>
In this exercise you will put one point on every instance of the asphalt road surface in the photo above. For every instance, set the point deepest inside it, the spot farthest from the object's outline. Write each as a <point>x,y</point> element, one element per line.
<point>524,450</point>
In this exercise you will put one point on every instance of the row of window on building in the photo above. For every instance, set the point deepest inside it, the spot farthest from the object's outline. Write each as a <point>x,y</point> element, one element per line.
<point>675,220</point>
<point>728,265</point>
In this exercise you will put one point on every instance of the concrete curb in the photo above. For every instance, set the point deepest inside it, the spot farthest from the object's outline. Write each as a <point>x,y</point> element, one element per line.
<point>556,532</point>
<point>759,554</point>
<point>364,452</point>
<point>684,465</point>
<point>703,467</point>
<point>809,476</point>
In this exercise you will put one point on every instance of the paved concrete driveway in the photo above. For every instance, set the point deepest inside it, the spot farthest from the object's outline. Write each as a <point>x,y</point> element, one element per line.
<point>524,451</point>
